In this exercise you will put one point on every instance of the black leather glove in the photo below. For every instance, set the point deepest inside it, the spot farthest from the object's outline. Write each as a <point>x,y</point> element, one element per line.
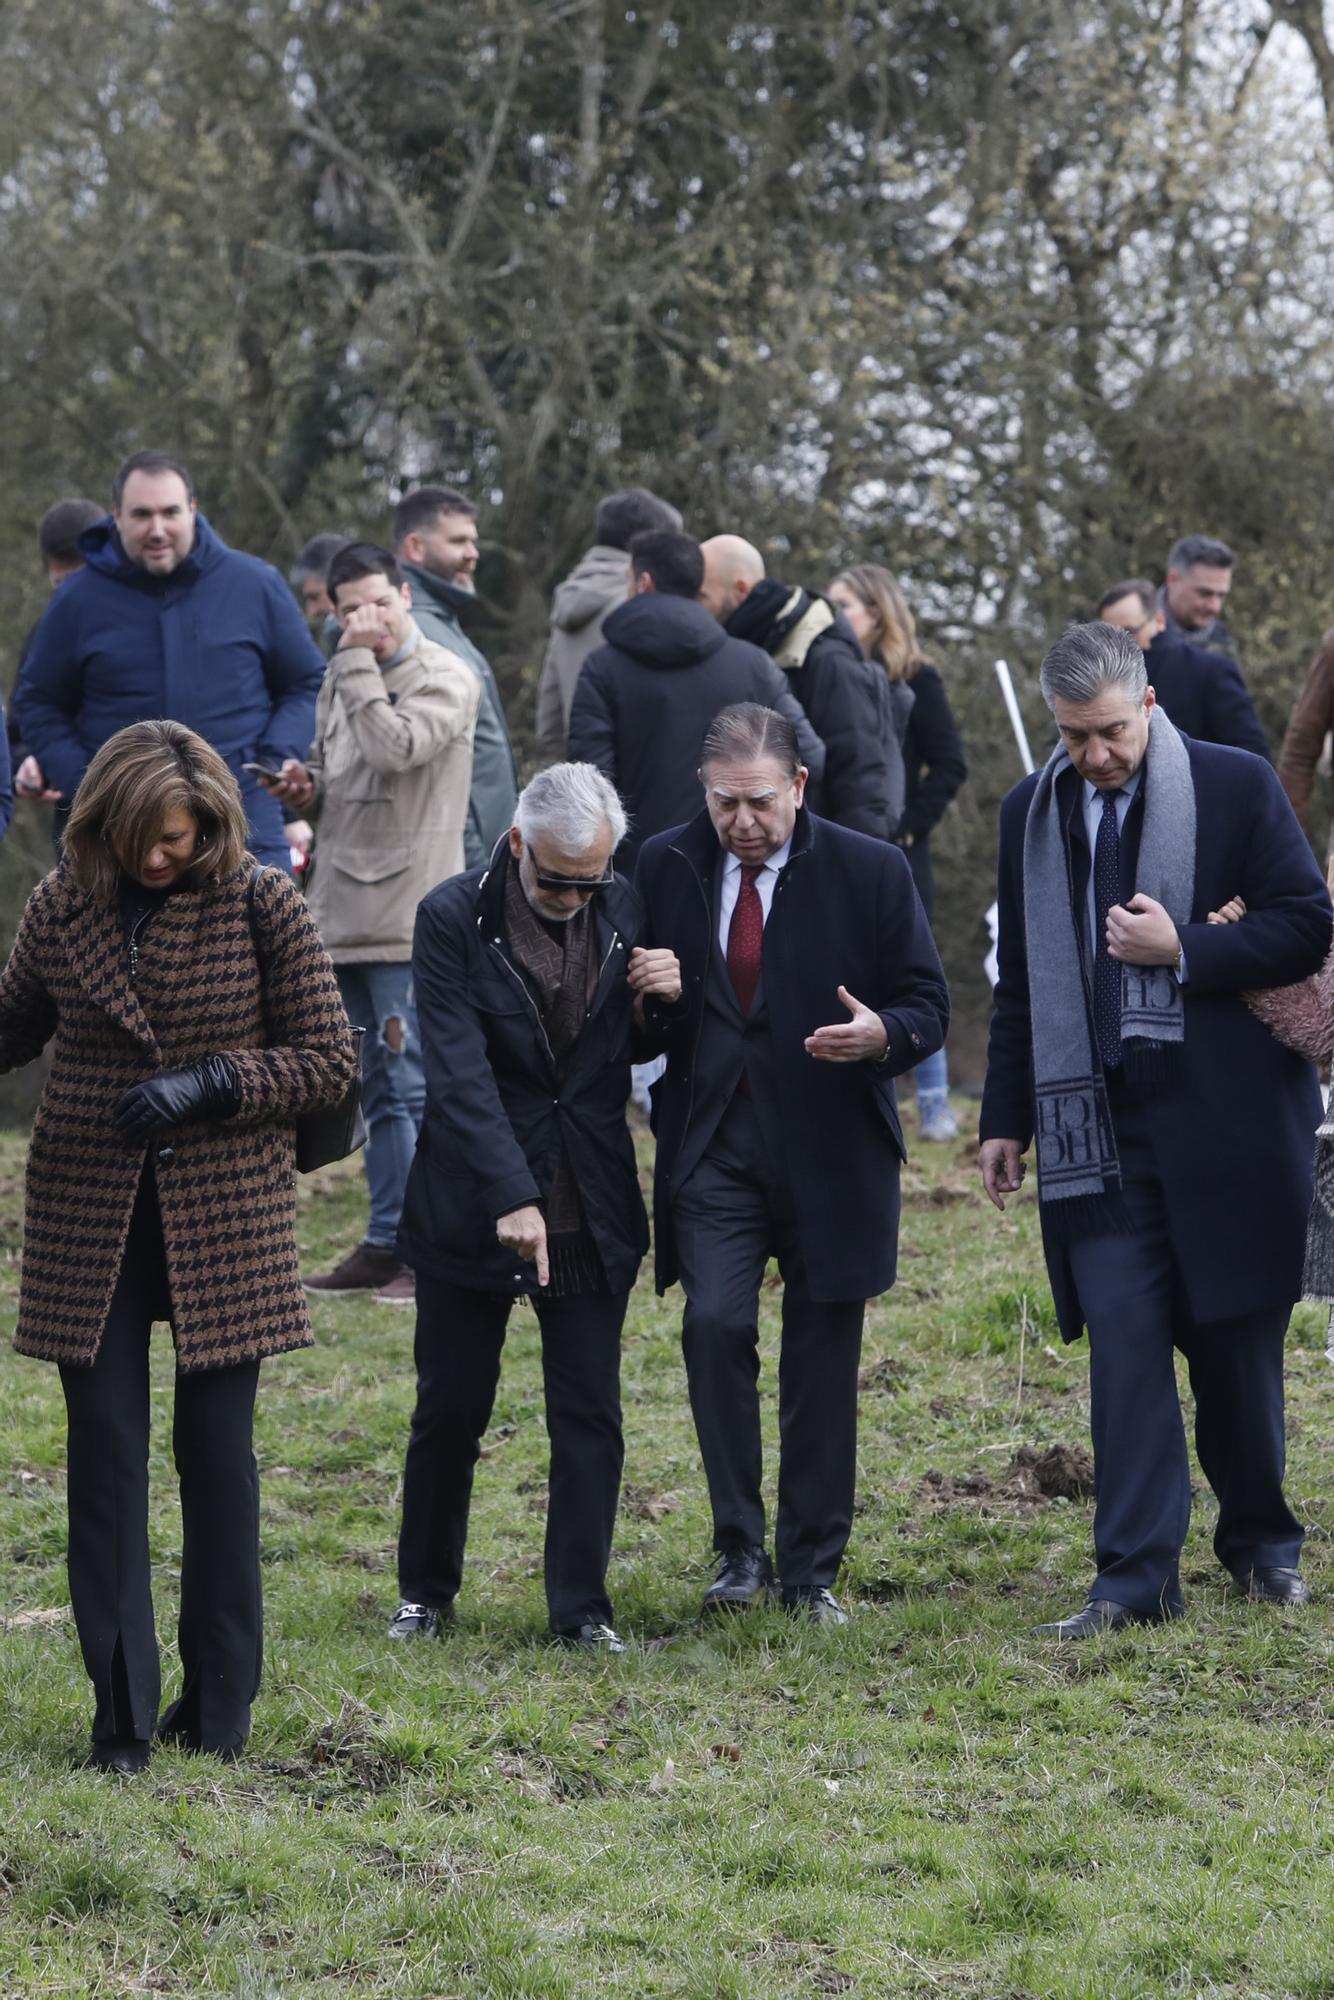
<point>209,1088</point>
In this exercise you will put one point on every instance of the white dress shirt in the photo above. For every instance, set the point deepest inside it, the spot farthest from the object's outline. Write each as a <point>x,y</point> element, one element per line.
<point>765,882</point>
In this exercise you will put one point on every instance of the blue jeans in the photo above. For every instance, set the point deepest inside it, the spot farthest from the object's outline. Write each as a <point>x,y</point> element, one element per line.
<point>379,999</point>
<point>932,1074</point>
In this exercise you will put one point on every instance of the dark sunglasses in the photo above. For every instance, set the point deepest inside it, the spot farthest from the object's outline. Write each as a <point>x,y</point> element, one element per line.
<point>583,883</point>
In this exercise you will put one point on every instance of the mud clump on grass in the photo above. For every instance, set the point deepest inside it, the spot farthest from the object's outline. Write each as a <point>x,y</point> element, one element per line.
<point>1035,1477</point>
<point>1062,1472</point>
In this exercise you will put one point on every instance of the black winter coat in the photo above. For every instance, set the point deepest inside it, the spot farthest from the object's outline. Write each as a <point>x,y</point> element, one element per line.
<point>1233,1138</point>
<point>646,696</point>
<point>932,754</point>
<point>846,697</point>
<point>845,913</point>
<point>1204,694</point>
<point>496,1120</point>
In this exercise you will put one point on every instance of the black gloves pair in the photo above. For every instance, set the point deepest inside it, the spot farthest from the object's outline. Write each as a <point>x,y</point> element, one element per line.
<point>209,1088</point>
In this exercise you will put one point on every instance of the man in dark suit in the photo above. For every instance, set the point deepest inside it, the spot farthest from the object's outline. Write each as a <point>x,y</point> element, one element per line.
<point>1203,692</point>
<point>1174,1133</point>
<point>528,975</point>
<point>778,1132</point>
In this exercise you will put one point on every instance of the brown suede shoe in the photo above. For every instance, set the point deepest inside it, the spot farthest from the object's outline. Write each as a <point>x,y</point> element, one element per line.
<point>400,1291</point>
<point>363,1270</point>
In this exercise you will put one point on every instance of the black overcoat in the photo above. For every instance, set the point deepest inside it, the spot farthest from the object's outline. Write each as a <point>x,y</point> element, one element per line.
<point>1204,694</point>
<point>1233,1136</point>
<point>496,1118</point>
<point>845,913</point>
<point>646,696</point>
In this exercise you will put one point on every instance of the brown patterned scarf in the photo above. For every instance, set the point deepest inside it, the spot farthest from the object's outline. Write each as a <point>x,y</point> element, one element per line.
<point>563,973</point>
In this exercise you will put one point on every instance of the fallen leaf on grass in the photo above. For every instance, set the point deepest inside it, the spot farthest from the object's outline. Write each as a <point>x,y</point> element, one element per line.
<point>646,1504</point>
<point>55,1614</point>
<point>726,1753</point>
<point>660,1780</point>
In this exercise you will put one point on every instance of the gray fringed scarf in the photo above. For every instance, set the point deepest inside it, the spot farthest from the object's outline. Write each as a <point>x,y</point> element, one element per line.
<point>1077,1159</point>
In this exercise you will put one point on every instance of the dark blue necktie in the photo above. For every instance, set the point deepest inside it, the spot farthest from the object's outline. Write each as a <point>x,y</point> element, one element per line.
<point>1106,969</point>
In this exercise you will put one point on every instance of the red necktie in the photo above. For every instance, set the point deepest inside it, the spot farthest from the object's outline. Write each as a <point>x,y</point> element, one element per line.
<point>745,938</point>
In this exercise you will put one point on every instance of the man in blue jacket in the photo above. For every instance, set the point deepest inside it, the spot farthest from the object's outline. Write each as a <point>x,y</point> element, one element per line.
<point>164,620</point>
<point>810,983</point>
<point>1174,1133</point>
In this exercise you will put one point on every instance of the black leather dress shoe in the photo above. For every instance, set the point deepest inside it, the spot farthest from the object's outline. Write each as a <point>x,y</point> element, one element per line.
<point>820,1606</point>
<point>745,1577</point>
<point>126,1755</point>
<point>1269,1583</point>
<point>420,1621</point>
<point>593,1639</point>
<point>1100,1614</point>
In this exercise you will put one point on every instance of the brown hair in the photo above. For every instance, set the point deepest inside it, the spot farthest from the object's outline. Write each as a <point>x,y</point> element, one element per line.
<point>136,779</point>
<point>893,628</point>
<point>1134,586</point>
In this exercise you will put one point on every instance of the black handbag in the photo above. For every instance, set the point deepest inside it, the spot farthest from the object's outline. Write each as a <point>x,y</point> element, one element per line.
<point>334,1130</point>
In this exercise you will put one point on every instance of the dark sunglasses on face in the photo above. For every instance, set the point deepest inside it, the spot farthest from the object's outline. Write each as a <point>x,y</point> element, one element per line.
<point>585,884</point>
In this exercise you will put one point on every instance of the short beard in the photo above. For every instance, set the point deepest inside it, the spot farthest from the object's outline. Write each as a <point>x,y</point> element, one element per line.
<point>531,892</point>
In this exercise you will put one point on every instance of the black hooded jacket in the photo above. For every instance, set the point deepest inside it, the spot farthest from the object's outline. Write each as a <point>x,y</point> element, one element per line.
<point>847,699</point>
<point>646,696</point>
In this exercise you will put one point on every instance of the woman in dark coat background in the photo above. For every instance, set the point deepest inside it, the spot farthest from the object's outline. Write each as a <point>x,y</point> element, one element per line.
<point>877,611</point>
<point>195,1016</point>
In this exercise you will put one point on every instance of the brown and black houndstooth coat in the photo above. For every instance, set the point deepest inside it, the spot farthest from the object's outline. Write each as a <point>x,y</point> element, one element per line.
<point>226,1188</point>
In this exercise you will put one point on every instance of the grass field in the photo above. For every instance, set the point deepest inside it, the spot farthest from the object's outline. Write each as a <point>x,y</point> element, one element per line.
<point>930,1802</point>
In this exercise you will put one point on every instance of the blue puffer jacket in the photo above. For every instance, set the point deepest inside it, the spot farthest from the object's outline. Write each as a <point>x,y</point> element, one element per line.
<point>218,645</point>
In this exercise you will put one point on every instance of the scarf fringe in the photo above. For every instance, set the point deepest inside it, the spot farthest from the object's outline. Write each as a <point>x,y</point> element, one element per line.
<point>1085,1215</point>
<point>1152,1062</point>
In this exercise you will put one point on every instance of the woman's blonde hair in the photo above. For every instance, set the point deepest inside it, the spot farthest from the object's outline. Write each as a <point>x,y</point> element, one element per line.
<point>136,779</point>
<point>893,630</point>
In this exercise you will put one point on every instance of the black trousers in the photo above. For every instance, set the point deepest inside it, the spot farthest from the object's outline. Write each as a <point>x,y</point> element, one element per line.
<point>731,1215</point>
<point>1135,1305</point>
<point>110,1576</point>
<point>460,1335</point>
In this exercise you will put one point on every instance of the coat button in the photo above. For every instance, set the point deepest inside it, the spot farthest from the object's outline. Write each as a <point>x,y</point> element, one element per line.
<point>166,1154</point>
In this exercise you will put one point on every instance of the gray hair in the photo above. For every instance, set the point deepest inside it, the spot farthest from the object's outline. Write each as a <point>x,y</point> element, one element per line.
<point>1088,659</point>
<point>570,803</point>
<point>748,730</point>
<point>1192,549</point>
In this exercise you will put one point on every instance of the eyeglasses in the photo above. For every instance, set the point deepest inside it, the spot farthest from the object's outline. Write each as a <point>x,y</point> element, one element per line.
<point>583,883</point>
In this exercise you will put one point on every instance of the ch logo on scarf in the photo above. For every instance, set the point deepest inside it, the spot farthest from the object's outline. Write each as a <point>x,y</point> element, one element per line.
<point>1074,1132</point>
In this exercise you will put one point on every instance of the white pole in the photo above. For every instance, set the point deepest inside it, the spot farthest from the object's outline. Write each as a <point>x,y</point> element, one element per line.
<point>1016,720</point>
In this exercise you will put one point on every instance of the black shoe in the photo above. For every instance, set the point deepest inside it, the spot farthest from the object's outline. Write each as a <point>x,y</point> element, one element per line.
<point>593,1639</point>
<point>126,1755</point>
<point>745,1576</point>
<point>1100,1614</point>
<point>420,1621</point>
<point>820,1606</point>
<point>1270,1583</point>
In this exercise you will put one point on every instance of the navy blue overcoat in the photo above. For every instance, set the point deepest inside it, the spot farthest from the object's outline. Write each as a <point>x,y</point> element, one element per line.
<point>1234,1135</point>
<point>845,913</point>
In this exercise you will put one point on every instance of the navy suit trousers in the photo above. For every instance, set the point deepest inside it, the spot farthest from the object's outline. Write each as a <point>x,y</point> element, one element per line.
<point>1135,1307</point>
<point>730,1217</point>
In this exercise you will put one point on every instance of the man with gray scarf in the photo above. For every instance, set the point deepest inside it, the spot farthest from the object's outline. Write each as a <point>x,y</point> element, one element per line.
<point>1173,1132</point>
<point>530,983</point>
